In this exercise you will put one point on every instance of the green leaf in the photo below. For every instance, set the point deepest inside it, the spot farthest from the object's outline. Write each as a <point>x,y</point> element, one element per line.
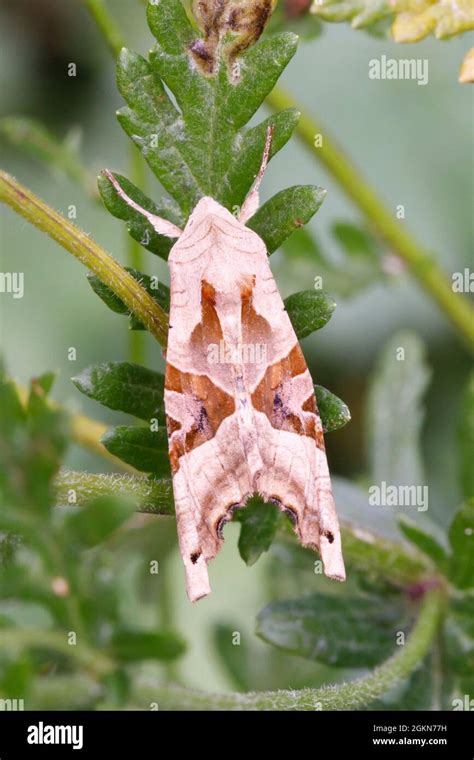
<point>152,285</point>
<point>139,446</point>
<point>286,212</point>
<point>308,311</point>
<point>346,632</point>
<point>461,538</point>
<point>32,442</point>
<point>466,440</point>
<point>334,413</point>
<point>423,541</point>
<point>127,387</point>
<point>244,167</point>
<point>199,146</point>
<point>95,523</point>
<point>259,524</point>
<point>395,412</point>
<point>133,645</point>
<point>361,261</point>
<point>137,225</point>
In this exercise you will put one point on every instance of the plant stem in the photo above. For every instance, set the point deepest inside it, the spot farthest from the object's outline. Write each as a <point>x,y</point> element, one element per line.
<point>19,639</point>
<point>346,696</point>
<point>151,496</point>
<point>135,254</point>
<point>365,551</point>
<point>106,25</point>
<point>88,252</point>
<point>421,263</point>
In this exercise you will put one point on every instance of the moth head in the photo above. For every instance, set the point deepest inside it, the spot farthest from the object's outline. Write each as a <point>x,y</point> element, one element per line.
<point>206,208</point>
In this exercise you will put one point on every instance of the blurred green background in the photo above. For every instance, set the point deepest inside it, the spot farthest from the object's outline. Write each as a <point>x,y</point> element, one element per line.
<point>413,143</point>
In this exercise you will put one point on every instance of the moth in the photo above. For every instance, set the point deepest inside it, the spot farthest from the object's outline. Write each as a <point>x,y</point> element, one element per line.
<point>240,421</point>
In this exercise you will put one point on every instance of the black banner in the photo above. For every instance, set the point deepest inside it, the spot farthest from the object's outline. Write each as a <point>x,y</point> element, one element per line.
<point>377,734</point>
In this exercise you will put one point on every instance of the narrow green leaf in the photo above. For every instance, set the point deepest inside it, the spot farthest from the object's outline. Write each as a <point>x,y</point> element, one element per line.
<point>246,163</point>
<point>259,523</point>
<point>45,382</point>
<point>138,226</point>
<point>261,67</point>
<point>139,446</point>
<point>32,443</point>
<point>127,387</point>
<point>133,645</point>
<point>466,441</point>
<point>461,538</point>
<point>362,262</point>
<point>308,311</point>
<point>423,541</point>
<point>94,523</point>
<point>286,212</point>
<point>153,286</point>
<point>354,240</point>
<point>334,413</point>
<point>346,632</point>
<point>395,412</point>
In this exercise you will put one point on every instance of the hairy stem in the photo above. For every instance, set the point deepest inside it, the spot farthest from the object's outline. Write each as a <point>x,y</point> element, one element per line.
<point>364,551</point>
<point>88,252</point>
<point>421,263</point>
<point>106,24</point>
<point>346,696</point>
<point>151,496</point>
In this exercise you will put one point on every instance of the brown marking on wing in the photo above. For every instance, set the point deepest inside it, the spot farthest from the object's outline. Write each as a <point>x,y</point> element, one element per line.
<point>256,330</point>
<point>268,398</point>
<point>211,404</point>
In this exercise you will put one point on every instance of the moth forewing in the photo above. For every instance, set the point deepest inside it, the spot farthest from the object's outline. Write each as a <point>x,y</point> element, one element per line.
<point>241,412</point>
<point>240,421</point>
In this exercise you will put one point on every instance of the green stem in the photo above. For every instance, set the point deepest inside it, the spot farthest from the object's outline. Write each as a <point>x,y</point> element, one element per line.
<point>19,639</point>
<point>135,254</point>
<point>363,550</point>
<point>106,25</point>
<point>88,252</point>
<point>421,263</point>
<point>151,496</point>
<point>346,696</point>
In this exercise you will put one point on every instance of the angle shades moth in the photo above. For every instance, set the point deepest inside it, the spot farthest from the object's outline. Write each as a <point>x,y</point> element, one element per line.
<point>237,426</point>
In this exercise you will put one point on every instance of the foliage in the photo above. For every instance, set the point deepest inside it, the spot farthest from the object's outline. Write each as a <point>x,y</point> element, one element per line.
<point>407,607</point>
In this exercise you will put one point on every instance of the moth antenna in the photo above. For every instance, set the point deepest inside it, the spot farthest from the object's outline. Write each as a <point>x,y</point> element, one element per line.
<point>161,226</point>
<point>252,200</point>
